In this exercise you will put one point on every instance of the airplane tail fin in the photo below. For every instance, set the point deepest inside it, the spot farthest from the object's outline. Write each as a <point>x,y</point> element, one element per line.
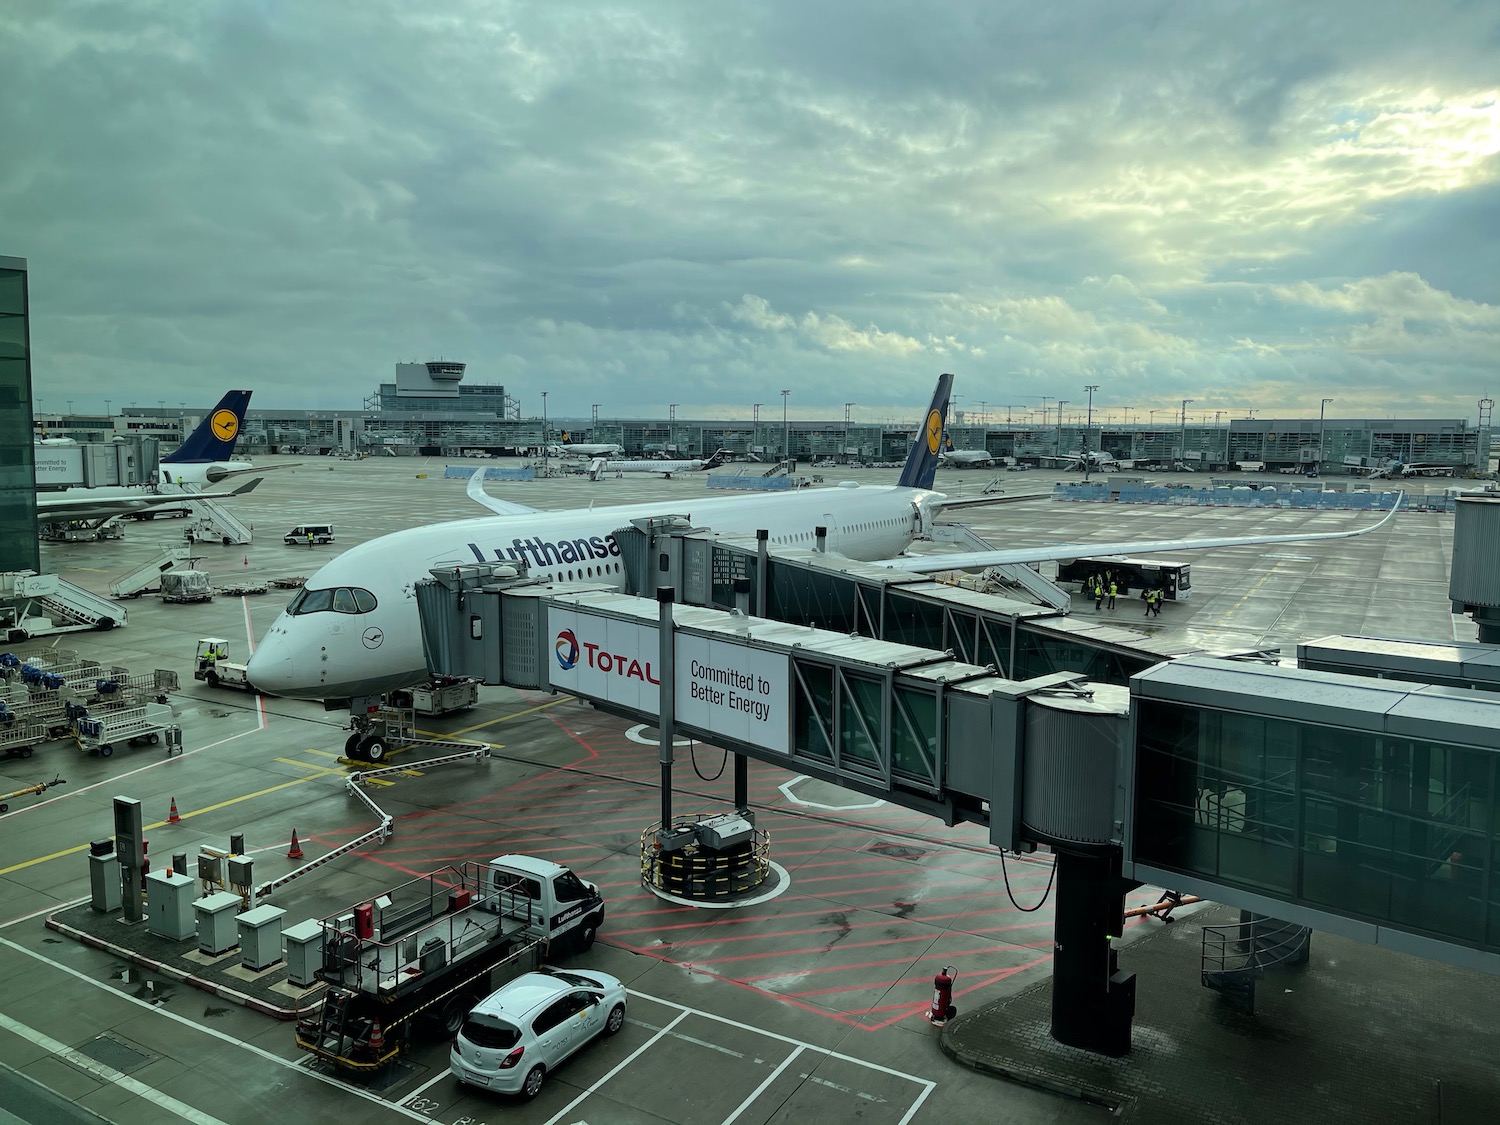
<point>922,462</point>
<point>719,457</point>
<point>215,436</point>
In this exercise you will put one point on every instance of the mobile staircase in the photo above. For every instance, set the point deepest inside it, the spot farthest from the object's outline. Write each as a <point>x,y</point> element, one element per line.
<point>1239,954</point>
<point>213,523</point>
<point>134,583</point>
<point>34,604</point>
<point>1014,576</point>
<point>782,468</point>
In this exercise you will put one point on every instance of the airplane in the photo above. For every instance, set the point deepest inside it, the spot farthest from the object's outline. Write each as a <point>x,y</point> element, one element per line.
<point>1095,460</point>
<point>1399,469</point>
<point>599,468</point>
<point>596,450</point>
<point>203,458</point>
<point>353,631</point>
<point>94,507</point>
<point>968,458</point>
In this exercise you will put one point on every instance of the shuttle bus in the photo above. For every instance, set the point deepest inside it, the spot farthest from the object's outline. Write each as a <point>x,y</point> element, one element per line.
<point>1132,574</point>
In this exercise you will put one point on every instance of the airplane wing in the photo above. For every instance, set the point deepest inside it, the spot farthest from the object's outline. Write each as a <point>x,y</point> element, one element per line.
<point>968,560</point>
<point>994,498</point>
<point>51,509</point>
<point>499,507</point>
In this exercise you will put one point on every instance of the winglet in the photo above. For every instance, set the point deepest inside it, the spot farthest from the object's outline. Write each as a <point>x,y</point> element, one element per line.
<point>922,462</point>
<point>215,436</point>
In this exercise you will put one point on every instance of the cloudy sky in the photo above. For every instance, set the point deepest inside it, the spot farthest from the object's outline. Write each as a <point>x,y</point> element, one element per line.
<point>644,202</point>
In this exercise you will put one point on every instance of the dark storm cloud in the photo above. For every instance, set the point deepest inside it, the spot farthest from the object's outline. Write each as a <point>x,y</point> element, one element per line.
<point>637,204</point>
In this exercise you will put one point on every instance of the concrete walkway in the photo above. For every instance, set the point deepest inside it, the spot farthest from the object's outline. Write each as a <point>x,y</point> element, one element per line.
<point>1359,1035</point>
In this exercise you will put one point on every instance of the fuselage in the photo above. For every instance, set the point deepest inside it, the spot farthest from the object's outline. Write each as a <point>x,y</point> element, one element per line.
<point>355,631</point>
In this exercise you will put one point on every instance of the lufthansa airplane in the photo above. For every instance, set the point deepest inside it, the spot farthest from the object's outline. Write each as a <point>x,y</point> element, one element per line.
<point>354,629</point>
<point>599,468</point>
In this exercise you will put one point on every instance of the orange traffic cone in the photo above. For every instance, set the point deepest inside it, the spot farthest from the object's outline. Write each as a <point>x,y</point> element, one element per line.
<point>377,1040</point>
<point>172,817</point>
<point>295,852</point>
<point>247,560</point>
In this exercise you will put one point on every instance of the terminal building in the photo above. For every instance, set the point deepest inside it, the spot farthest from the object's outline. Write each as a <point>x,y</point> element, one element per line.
<point>19,549</point>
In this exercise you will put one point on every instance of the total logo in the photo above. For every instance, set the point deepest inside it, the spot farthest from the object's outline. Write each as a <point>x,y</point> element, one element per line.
<point>568,649</point>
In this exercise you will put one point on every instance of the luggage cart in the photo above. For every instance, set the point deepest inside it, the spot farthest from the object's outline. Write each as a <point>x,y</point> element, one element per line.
<point>22,729</point>
<point>133,688</point>
<point>133,726</point>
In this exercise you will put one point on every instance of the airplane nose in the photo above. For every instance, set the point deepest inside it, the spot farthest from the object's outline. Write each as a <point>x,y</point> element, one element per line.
<point>270,668</point>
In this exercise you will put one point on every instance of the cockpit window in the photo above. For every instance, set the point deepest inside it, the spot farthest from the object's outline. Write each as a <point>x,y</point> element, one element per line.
<point>344,599</point>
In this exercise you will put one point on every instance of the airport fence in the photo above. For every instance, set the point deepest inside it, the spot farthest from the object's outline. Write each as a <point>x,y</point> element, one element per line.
<point>494,473</point>
<point>1235,498</point>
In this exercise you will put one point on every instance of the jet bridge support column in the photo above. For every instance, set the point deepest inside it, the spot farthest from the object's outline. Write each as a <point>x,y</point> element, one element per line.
<point>665,727</point>
<point>1093,1003</point>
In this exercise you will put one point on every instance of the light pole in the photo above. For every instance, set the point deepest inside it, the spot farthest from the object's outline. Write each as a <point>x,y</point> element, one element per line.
<point>1088,426</point>
<point>786,431</point>
<point>546,449</point>
<point>1318,464</point>
<point>594,421</point>
<point>1185,404</point>
<point>1057,446</point>
<point>671,412</point>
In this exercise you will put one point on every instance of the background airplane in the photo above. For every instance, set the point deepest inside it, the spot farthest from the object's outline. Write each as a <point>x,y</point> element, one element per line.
<point>968,458</point>
<point>203,457</point>
<point>1095,460</point>
<point>595,450</point>
<point>1397,469</point>
<point>600,468</point>
<point>94,507</point>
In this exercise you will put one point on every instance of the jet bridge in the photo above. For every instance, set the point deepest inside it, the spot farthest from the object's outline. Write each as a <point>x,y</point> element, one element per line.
<point>1353,805</point>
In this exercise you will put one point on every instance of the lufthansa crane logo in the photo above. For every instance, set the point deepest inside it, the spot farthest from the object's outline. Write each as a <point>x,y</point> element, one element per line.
<point>225,424</point>
<point>934,431</point>
<point>567,650</point>
<point>372,637</point>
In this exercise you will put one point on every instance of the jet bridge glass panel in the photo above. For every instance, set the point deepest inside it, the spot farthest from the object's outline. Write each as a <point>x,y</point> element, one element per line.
<point>804,596</point>
<point>859,722</point>
<point>1040,653</point>
<point>1381,828</point>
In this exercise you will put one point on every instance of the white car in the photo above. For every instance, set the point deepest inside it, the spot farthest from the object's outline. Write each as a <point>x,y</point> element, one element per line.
<point>518,1034</point>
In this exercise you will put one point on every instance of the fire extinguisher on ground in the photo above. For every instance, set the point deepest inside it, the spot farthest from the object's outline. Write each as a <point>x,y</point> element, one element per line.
<point>942,1009</point>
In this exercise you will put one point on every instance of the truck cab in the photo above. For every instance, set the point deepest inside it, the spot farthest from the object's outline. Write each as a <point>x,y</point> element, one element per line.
<point>212,665</point>
<point>567,909</point>
<point>309,532</point>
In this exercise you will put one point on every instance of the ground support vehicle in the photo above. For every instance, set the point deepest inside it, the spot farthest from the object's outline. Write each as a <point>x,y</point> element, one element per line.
<point>134,726</point>
<point>420,956</point>
<point>185,586</point>
<point>212,665</point>
<point>444,695</point>
<point>39,787</point>
<point>303,534</point>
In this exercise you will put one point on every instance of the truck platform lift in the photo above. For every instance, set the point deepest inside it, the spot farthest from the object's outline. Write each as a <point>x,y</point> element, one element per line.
<point>420,956</point>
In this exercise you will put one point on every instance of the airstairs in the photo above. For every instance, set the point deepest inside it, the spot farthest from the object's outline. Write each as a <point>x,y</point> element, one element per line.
<point>213,523</point>
<point>1237,955</point>
<point>135,582</point>
<point>782,468</point>
<point>36,604</point>
<point>1010,576</point>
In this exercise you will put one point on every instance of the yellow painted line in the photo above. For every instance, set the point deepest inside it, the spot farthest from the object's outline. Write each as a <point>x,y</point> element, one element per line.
<point>501,719</point>
<point>323,754</point>
<point>184,816</point>
<point>302,765</point>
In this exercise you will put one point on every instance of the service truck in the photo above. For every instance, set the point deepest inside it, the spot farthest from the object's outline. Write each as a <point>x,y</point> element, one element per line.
<point>416,958</point>
<point>211,664</point>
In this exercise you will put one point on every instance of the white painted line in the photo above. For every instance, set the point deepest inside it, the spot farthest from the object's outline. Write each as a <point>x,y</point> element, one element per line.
<point>429,1084</point>
<point>916,1105</point>
<point>787,1039</point>
<point>260,700</point>
<point>786,791</point>
<point>626,1061</point>
<point>755,1093</point>
<point>119,777</point>
<point>635,735</point>
<point>108,1073</point>
<point>214,1033</point>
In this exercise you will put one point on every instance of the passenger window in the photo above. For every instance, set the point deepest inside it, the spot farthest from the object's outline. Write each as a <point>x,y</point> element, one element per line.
<point>364,601</point>
<point>552,1015</point>
<point>343,601</point>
